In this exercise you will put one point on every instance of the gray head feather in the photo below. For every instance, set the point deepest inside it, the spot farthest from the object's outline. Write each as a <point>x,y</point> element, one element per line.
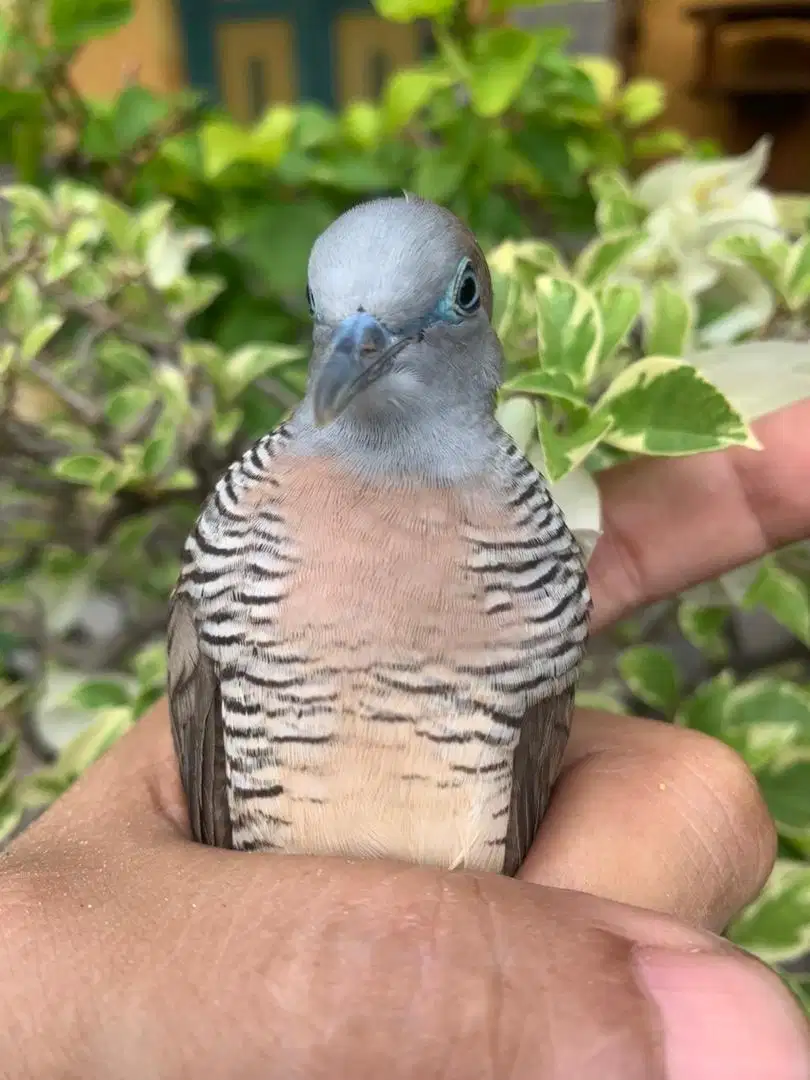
<point>392,257</point>
<point>405,363</point>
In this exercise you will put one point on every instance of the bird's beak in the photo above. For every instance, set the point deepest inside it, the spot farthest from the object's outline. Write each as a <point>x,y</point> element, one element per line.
<point>361,350</point>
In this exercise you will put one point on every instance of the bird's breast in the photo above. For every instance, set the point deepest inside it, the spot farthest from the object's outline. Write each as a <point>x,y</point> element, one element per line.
<point>376,705</point>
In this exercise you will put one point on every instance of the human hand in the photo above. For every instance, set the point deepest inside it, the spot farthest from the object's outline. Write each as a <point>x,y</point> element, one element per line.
<point>128,951</point>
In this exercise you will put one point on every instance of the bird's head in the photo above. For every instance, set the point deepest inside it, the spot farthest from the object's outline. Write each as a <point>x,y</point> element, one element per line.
<point>401,299</point>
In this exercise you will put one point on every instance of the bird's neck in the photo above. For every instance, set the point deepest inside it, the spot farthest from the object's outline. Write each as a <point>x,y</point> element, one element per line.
<point>436,447</point>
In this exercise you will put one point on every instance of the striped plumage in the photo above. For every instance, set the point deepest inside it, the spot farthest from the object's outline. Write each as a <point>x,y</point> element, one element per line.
<point>368,662</point>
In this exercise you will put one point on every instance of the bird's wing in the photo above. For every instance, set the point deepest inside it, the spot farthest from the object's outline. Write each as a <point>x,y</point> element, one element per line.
<point>207,622</point>
<point>196,716</point>
<point>537,761</point>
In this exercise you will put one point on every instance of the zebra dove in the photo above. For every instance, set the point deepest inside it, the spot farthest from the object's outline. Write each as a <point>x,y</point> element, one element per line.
<point>377,630</point>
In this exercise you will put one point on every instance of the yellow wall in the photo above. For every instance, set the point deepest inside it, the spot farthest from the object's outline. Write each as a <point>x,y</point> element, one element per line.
<point>147,48</point>
<point>668,50</point>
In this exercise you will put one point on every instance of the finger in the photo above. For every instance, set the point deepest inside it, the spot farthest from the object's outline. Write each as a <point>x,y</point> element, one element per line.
<point>267,967</point>
<point>658,816</point>
<point>672,523</point>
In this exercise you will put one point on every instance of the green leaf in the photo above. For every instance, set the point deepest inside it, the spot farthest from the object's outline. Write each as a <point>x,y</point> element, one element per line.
<point>271,227</point>
<point>9,745</point>
<point>564,450</point>
<point>501,62</point>
<point>407,92</point>
<point>786,789</point>
<point>620,307</point>
<point>651,676</point>
<point>525,259</point>
<point>191,295</point>
<point>158,451</point>
<point>150,665</point>
<point>704,627</point>
<point>168,252</point>
<point>776,926</point>
<point>668,329</point>
<point>641,101</point>
<point>664,407</point>
<point>100,694</point>
<point>174,389</point>
<point>128,405</point>
<point>126,358</point>
<point>130,536</point>
<point>599,699</point>
<point>603,255</point>
<point>758,377</point>
<point>705,709</point>
<point>222,144</point>
<point>776,706</point>
<point>251,362</point>
<point>85,469</point>
<point>180,480</point>
<point>74,22</point>
<point>273,134</point>
<point>38,336</point>
<point>405,11</point>
<point>569,328</point>
<point>799,986</point>
<point>784,596</point>
<point>31,202</point>
<point>11,812</point>
<point>767,260</point>
<point>797,274</point>
<point>24,305</point>
<point>616,209</point>
<point>362,122</point>
<point>203,354</point>
<point>225,427</point>
<point>119,225</point>
<point>553,384</point>
<point>80,753</point>
<point>135,114</point>
<point>8,354</point>
<point>664,143</point>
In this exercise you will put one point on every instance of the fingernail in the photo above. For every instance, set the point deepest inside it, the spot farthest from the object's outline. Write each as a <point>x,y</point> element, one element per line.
<point>725,1018</point>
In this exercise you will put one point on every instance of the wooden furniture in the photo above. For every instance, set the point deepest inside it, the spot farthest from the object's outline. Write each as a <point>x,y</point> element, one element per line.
<point>713,19</point>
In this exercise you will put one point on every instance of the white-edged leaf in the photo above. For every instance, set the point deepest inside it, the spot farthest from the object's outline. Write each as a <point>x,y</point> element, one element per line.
<point>797,274</point>
<point>758,377</point>
<point>563,451</point>
<point>669,323</point>
<point>598,260</point>
<point>569,328</point>
<point>652,676</point>
<point>552,384</point>
<point>38,336</point>
<point>784,596</point>
<point>620,306</point>
<point>665,407</point>
<point>776,926</point>
<point>251,362</point>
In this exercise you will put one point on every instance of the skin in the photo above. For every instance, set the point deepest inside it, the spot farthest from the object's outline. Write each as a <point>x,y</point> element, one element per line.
<point>129,952</point>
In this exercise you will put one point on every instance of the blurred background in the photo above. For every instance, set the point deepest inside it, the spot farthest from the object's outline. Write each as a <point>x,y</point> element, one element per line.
<point>168,165</point>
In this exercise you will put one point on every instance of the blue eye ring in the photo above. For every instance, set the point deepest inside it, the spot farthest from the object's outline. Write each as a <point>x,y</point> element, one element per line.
<point>466,293</point>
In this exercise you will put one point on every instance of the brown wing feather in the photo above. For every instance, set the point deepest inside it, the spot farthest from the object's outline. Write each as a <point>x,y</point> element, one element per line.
<point>538,757</point>
<point>196,715</point>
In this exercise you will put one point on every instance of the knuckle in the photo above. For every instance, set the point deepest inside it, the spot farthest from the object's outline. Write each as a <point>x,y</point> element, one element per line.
<point>726,803</point>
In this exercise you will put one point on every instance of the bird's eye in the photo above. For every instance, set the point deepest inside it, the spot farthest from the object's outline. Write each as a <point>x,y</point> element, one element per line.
<point>310,301</point>
<point>468,298</point>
